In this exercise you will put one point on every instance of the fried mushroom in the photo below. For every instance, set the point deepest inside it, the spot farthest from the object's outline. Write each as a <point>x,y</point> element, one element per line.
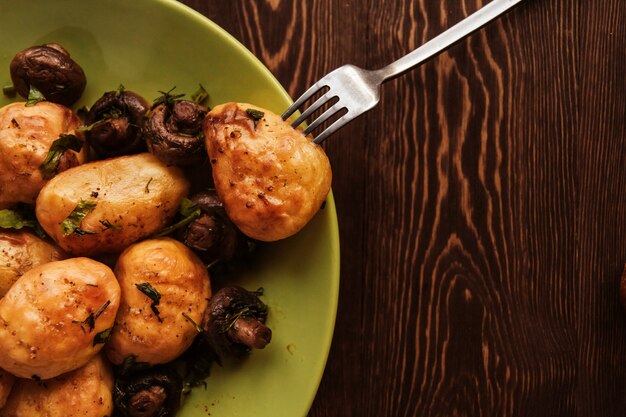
<point>271,178</point>
<point>115,123</point>
<point>213,236</point>
<point>234,322</point>
<point>51,70</point>
<point>27,134</point>
<point>152,393</point>
<point>174,132</point>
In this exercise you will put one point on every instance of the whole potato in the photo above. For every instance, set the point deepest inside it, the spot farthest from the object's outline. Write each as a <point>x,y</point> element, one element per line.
<point>6,384</point>
<point>164,269</point>
<point>85,392</point>
<point>21,251</point>
<point>271,178</point>
<point>131,197</point>
<point>26,134</point>
<point>56,317</point>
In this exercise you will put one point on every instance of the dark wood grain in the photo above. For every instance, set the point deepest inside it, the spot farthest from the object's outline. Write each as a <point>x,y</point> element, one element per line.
<point>482,205</point>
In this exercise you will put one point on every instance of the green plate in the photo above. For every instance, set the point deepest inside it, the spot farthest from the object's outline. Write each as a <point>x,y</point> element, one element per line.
<point>154,45</point>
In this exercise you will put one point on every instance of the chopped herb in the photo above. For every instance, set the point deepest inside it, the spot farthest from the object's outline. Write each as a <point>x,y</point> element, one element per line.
<point>166,98</point>
<point>72,223</point>
<point>147,189</point>
<point>114,113</point>
<point>110,225</point>
<point>15,123</point>
<point>91,318</point>
<point>189,211</point>
<point>101,309</point>
<point>130,365</point>
<point>238,311</point>
<point>9,90</point>
<point>153,294</point>
<point>195,325</point>
<point>81,232</point>
<point>256,115</point>
<point>64,143</point>
<point>13,219</point>
<point>34,96</point>
<point>201,96</point>
<point>120,90</point>
<point>102,337</point>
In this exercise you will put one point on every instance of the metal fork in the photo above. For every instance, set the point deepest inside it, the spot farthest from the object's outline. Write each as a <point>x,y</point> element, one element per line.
<point>358,90</point>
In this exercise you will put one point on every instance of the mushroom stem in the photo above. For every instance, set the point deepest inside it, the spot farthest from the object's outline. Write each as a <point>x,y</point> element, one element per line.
<point>250,332</point>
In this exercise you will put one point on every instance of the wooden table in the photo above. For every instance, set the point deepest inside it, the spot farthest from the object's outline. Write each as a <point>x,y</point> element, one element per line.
<point>482,205</point>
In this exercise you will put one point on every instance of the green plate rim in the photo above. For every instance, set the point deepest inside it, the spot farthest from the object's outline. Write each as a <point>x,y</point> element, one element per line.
<point>330,202</point>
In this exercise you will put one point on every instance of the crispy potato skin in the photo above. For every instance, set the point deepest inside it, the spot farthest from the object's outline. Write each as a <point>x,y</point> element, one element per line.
<point>42,329</point>
<point>21,251</point>
<point>26,134</point>
<point>137,194</point>
<point>271,178</point>
<point>183,283</point>
<point>85,392</point>
<point>6,383</point>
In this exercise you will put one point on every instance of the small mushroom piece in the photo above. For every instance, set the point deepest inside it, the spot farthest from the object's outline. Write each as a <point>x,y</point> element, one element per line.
<point>116,124</point>
<point>50,69</point>
<point>234,322</point>
<point>213,236</point>
<point>151,393</point>
<point>173,132</point>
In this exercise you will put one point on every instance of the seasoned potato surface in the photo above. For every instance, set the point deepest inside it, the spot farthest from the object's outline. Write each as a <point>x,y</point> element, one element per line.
<point>168,269</point>
<point>85,392</point>
<point>131,198</point>
<point>55,318</point>
<point>21,251</point>
<point>26,134</point>
<point>271,178</point>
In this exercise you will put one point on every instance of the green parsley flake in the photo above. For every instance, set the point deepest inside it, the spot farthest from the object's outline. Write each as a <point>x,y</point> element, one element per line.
<point>72,223</point>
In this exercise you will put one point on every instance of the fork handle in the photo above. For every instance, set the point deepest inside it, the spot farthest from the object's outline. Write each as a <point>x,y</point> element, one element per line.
<point>446,39</point>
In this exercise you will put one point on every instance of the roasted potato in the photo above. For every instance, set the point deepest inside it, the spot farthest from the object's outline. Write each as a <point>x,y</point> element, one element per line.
<point>56,317</point>
<point>26,134</point>
<point>6,384</point>
<point>21,251</point>
<point>271,178</point>
<point>85,392</point>
<point>162,281</point>
<point>122,199</point>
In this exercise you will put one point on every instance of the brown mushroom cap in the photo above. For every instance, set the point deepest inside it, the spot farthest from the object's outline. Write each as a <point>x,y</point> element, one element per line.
<point>234,322</point>
<point>116,121</point>
<point>50,69</point>
<point>173,132</point>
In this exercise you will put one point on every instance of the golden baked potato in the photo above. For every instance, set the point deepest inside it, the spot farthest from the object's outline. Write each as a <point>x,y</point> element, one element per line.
<point>85,392</point>
<point>6,383</point>
<point>104,206</point>
<point>21,251</point>
<point>26,134</point>
<point>162,281</point>
<point>271,178</point>
<point>56,317</point>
